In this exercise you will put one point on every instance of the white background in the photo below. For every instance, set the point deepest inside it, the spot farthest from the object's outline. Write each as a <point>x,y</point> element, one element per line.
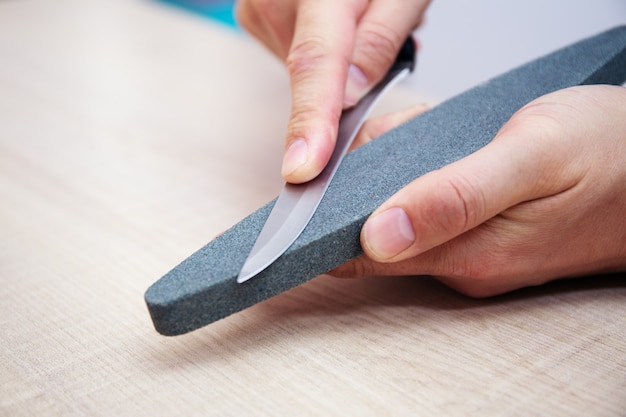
<point>466,42</point>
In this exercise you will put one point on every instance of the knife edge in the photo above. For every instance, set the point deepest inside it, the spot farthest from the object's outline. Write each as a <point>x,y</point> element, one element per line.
<point>297,203</point>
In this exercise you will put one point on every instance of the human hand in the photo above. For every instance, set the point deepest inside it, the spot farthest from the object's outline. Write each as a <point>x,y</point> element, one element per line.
<point>545,199</point>
<point>334,51</point>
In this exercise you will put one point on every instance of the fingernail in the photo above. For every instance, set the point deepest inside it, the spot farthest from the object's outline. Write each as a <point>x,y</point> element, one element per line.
<point>295,156</point>
<point>356,86</point>
<point>389,233</point>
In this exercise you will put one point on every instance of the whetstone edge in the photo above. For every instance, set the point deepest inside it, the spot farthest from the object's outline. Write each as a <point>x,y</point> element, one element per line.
<point>203,288</point>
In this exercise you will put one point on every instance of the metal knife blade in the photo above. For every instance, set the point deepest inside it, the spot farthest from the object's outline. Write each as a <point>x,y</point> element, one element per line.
<point>297,203</point>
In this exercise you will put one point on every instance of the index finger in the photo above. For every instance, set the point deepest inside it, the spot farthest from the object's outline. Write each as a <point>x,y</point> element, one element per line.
<point>318,63</point>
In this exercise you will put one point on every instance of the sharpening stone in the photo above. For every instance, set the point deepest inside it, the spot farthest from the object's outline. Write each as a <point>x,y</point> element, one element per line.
<point>203,288</point>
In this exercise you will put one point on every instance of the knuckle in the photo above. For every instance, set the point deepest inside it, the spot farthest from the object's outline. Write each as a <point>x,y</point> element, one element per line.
<point>356,268</point>
<point>545,128</point>
<point>306,118</point>
<point>547,118</point>
<point>362,267</point>
<point>468,276</point>
<point>482,269</point>
<point>305,55</point>
<point>539,119</point>
<point>454,263</point>
<point>378,43</point>
<point>458,207</point>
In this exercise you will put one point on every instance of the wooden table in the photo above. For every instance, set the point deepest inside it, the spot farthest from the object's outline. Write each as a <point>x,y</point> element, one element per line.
<point>130,135</point>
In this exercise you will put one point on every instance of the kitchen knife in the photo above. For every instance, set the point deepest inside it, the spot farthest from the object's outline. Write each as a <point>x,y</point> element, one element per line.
<point>297,202</point>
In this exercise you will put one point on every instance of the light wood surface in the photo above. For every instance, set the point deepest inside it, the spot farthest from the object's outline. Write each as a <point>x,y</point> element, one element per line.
<point>130,135</point>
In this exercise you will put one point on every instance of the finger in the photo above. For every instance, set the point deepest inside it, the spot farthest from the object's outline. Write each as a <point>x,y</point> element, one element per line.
<point>432,263</point>
<point>318,63</point>
<point>363,266</point>
<point>380,34</point>
<point>377,126</point>
<point>248,16</point>
<point>448,202</point>
<point>485,261</point>
<point>272,23</point>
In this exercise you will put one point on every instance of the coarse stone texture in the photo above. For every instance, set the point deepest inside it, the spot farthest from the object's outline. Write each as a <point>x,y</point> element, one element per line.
<point>203,288</point>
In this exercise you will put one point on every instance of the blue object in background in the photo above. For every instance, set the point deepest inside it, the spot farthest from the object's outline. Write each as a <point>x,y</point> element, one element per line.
<point>220,10</point>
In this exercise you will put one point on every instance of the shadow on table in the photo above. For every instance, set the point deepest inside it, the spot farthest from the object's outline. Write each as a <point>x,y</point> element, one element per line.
<point>341,296</point>
<point>327,304</point>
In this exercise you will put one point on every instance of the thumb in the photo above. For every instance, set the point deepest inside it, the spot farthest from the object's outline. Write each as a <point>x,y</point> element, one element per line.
<point>443,204</point>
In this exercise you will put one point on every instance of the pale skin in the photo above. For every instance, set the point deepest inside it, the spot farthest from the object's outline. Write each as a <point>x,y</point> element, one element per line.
<point>545,199</point>
<point>334,52</point>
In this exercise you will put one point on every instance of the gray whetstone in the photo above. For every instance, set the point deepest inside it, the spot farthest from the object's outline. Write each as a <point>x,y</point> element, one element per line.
<point>203,288</point>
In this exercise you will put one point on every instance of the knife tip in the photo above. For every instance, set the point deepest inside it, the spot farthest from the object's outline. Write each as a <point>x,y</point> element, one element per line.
<point>244,276</point>
<point>241,280</point>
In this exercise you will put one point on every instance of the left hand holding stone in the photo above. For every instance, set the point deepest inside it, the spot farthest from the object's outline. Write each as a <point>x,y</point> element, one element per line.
<point>545,199</point>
